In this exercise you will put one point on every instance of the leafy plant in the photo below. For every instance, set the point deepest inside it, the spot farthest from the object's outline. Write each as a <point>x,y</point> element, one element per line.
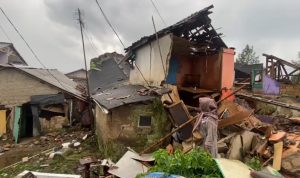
<point>255,163</point>
<point>195,164</point>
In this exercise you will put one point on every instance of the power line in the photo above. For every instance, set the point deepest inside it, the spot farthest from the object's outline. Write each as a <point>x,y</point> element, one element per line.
<point>15,28</point>
<point>2,29</point>
<point>34,54</point>
<point>85,32</point>
<point>108,22</point>
<point>158,12</point>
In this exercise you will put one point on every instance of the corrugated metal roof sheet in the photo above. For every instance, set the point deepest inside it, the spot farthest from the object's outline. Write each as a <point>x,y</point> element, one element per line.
<point>116,97</point>
<point>56,79</point>
<point>108,74</point>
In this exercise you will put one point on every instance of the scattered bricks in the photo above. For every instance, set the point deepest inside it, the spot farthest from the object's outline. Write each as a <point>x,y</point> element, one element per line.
<point>291,164</point>
<point>286,165</point>
<point>25,159</point>
<point>295,120</point>
<point>296,162</point>
<point>277,136</point>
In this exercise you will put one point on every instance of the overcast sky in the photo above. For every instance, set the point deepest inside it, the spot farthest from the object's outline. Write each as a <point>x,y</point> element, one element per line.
<point>50,26</point>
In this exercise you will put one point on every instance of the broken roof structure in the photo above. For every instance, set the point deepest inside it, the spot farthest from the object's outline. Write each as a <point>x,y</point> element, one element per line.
<point>276,68</point>
<point>108,70</point>
<point>191,45</point>
<point>196,28</point>
<point>9,55</point>
<point>118,96</point>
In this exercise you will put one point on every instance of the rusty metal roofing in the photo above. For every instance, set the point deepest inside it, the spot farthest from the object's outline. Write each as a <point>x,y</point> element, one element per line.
<point>196,28</point>
<point>127,94</point>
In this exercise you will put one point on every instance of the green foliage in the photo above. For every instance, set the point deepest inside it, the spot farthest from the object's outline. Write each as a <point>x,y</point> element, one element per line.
<point>255,163</point>
<point>195,164</point>
<point>248,56</point>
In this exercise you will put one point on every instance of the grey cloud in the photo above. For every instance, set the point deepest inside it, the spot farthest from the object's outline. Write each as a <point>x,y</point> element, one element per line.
<point>271,26</point>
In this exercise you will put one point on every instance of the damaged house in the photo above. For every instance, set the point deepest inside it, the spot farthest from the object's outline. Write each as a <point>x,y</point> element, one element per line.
<point>34,100</point>
<point>108,70</point>
<point>189,58</point>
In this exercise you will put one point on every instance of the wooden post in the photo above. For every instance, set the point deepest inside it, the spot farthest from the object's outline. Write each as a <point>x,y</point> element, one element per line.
<point>168,135</point>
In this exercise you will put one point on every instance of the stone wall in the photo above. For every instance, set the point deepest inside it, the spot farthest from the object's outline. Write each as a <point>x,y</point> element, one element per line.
<point>121,125</point>
<point>53,124</point>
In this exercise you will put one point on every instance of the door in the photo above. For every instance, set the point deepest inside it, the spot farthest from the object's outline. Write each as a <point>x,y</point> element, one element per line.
<point>17,119</point>
<point>2,122</point>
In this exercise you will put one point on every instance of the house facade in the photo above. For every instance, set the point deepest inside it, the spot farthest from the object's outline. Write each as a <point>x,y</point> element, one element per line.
<point>34,100</point>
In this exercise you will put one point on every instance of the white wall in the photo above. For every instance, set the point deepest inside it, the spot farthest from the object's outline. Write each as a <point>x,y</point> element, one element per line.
<point>156,74</point>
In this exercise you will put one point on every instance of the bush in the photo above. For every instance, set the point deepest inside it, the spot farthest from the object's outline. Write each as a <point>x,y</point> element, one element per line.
<point>195,164</point>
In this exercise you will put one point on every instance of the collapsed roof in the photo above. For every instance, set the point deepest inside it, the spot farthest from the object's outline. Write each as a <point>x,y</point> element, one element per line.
<point>196,28</point>
<point>118,96</point>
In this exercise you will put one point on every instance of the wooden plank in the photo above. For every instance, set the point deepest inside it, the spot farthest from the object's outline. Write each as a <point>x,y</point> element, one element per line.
<point>2,122</point>
<point>239,117</point>
<point>278,147</point>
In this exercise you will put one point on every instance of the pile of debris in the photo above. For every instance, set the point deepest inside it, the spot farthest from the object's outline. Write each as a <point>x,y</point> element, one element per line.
<point>245,140</point>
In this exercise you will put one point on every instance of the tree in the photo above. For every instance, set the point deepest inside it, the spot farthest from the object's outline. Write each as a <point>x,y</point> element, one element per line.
<point>247,56</point>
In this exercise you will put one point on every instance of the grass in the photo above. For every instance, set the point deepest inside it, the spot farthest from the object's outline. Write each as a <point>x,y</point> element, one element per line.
<point>64,165</point>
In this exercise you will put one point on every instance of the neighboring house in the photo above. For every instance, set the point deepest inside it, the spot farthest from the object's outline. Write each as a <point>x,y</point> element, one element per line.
<point>29,95</point>
<point>106,71</point>
<point>189,54</point>
<point>129,115</point>
<point>78,76</point>
<point>253,73</point>
<point>9,55</point>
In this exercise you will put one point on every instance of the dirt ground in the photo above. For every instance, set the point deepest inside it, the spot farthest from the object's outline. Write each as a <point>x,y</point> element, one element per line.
<point>67,163</point>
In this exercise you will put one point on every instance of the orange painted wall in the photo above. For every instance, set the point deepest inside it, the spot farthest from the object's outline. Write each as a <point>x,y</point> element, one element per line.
<point>227,68</point>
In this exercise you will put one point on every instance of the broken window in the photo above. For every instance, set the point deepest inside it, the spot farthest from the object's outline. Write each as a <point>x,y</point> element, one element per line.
<point>145,121</point>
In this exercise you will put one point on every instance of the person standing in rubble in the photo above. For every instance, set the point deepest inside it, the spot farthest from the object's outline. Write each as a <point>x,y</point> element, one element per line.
<point>208,124</point>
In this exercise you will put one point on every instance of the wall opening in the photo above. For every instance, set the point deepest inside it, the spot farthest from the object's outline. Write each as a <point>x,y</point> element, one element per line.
<point>145,121</point>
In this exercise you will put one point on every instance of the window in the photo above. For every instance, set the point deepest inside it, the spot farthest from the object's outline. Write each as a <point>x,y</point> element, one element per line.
<point>145,121</point>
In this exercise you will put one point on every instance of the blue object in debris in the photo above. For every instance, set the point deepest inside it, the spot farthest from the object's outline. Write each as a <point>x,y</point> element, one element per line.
<point>161,175</point>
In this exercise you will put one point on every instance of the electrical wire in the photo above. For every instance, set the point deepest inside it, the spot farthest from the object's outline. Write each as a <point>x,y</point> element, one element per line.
<point>108,22</point>
<point>156,9</point>
<point>90,39</point>
<point>34,54</point>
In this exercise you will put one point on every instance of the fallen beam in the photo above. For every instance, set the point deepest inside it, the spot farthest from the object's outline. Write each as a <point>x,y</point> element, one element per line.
<point>268,101</point>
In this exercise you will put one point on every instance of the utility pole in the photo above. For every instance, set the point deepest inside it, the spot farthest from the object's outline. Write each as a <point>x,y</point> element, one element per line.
<point>86,69</point>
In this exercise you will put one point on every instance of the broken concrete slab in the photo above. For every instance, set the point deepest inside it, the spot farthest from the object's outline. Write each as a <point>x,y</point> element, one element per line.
<point>291,164</point>
<point>233,168</point>
<point>241,143</point>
